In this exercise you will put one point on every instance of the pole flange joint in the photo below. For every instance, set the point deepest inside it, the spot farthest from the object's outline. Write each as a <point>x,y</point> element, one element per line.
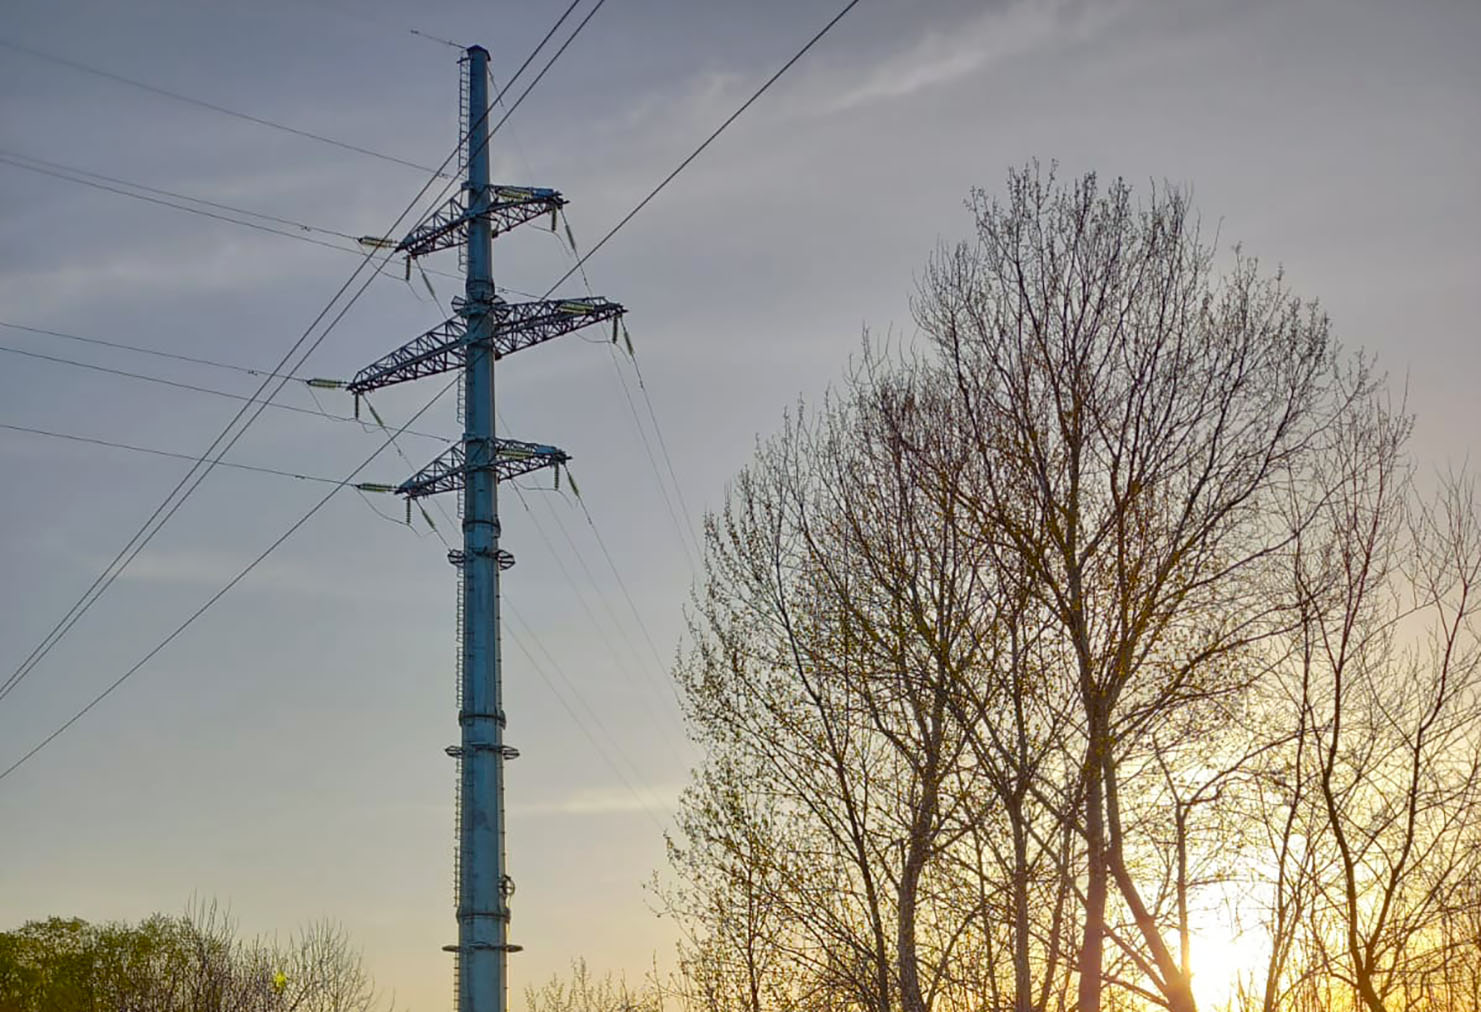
<point>467,717</point>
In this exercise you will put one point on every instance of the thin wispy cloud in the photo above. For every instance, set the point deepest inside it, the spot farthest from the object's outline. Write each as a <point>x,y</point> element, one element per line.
<point>657,800</point>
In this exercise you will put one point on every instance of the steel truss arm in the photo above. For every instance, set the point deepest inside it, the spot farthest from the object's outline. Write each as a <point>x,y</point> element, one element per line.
<point>438,350</point>
<point>504,207</point>
<point>516,326</point>
<point>449,472</point>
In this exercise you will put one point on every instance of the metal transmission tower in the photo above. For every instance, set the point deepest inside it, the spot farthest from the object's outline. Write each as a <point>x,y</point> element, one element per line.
<point>485,329</point>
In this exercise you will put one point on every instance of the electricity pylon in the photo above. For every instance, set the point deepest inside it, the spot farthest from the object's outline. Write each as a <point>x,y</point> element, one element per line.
<point>485,329</point>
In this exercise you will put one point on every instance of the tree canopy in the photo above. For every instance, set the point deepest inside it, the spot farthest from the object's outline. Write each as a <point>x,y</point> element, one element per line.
<point>192,962</point>
<point>1046,664</point>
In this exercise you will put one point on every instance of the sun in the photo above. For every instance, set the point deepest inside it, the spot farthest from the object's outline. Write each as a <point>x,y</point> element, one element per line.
<point>1222,956</point>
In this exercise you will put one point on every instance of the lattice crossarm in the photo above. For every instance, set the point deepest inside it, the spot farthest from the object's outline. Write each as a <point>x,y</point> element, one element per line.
<point>439,350</point>
<point>504,206</point>
<point>512,458</point>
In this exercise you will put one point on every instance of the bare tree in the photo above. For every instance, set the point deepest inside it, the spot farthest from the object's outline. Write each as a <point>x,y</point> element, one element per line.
<point>1135,417</point>
<point>1015,660</point>
<point>581,991</point>
<point>1385,691</point>
<point>840,616</point>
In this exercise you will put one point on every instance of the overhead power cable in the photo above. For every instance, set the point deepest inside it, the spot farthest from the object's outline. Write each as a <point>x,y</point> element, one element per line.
<point>394,27</point>
<point>668,460</point>
<point>684,530</point>
<point>137,349</point>
<point>58,171</point>
<point>211,601</point>
<point>669,729</point>
<point>704,144</point>
<point>392,436</point>
<point>363,487</point>
<point>55,174</point>
<point>18,158</point>
<point>644,804</point>
<point>622,586</point>
<point>301,232</point>
<point>223,110</point>
<point>162,381</point>
<point>198,472</point>
<point>680,529</point>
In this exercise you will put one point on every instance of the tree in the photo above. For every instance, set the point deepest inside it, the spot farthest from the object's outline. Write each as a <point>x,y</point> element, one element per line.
<point>1382,779</point>
<point>1015,657</point>
<point>194,962</point>
<point>1137,420</point>
<point>830,641</point>
<point>581,992</point>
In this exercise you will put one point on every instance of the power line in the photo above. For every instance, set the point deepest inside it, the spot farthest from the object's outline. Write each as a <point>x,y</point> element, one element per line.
<point>317,507</point>
<point>198,471</point>
<point>581,261</point>
<point>142,537</point>
<point>162,381</point>
<point>706,143</point>
<point>664,449</point>
<point>644,803</point>
<point>167,453</point>
<point>299,235</point>
<point>59,167</point>
<point>358,15</point>
<point>622,586</point>
<point>210,601</point>
<point>612,652</point>
<point>57,171</point>
<point>684,531</point>
<point>653,464</point>
<point>40,170</point>
<point>145,351</point>
<point>177,96</point>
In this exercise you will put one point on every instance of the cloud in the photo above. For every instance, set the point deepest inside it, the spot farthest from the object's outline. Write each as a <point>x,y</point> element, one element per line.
<point>936,58</point>
<point>656,800</point>
<point>941,57</point>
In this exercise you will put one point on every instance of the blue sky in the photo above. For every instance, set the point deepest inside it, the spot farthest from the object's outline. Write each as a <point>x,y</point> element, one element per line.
<point>285,754</point>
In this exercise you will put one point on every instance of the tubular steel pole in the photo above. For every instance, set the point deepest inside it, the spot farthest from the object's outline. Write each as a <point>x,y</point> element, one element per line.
<point>483,914</point>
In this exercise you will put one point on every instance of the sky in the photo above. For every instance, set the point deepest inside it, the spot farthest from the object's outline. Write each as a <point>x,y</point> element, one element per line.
<point>284,754</point>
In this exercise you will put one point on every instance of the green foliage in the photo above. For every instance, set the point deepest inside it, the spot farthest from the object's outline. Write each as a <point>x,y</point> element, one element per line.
<point>193,962</point>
